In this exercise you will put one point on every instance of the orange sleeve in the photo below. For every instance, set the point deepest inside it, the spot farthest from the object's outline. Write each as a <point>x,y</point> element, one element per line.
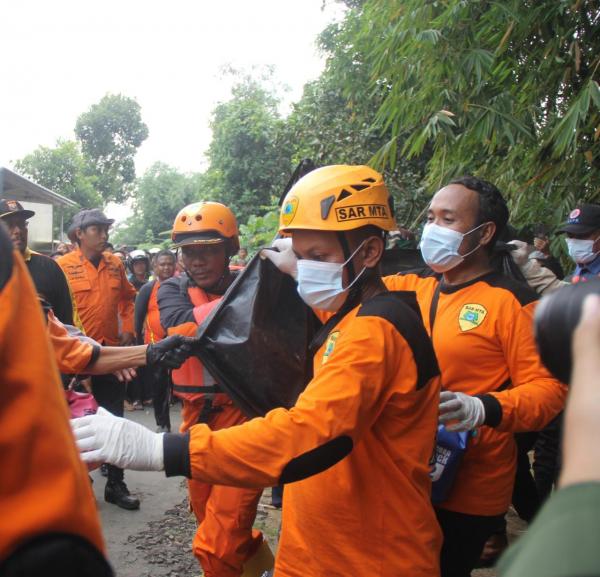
<point>72,355</point>
<point>534,397</point>
<point>126,303</point>
<point>44,486</point>
<point>343,400</point>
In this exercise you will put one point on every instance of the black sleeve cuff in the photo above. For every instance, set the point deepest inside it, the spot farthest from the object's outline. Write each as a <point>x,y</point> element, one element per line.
<point>176,449</point>
<point>493,410</point>
<point>95,355</point>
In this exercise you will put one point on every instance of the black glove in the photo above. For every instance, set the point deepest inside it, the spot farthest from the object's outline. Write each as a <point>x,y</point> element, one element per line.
<point>171,352</point>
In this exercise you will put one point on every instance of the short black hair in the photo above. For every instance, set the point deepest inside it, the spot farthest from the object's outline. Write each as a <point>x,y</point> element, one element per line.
<point>492,206</point>
<point>164,252</point>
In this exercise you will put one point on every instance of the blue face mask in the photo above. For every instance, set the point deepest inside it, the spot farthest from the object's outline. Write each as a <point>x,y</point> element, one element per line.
<point>320,284</point>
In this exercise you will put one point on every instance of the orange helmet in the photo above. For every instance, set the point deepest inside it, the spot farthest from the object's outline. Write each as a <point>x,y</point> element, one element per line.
<point>206,223</point>
<point>338,198</point>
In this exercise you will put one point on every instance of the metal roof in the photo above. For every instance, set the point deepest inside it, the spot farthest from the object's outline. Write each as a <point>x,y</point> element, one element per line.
<point>17,187</point>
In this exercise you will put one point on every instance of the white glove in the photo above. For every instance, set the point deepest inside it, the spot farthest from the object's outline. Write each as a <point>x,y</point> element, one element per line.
<point>105,438</point>
<point>467,410</point>
<point>285,260</point>
<point>521,255</point>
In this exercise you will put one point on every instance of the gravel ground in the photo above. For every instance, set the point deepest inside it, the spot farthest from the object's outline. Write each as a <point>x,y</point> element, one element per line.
<point>165,543</point>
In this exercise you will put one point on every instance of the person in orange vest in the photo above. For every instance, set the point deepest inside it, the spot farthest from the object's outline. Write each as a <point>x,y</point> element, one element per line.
<point>103,297</point>
<point>354,451</point>
<point>206,234</point>
<point>49,524</point>
<point>149,330</point>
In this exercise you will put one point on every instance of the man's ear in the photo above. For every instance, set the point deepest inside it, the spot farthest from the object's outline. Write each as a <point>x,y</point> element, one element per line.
<point>373,251</point>
<point>488,232</point>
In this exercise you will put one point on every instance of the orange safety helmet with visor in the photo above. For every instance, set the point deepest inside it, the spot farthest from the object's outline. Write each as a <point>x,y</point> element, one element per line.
<point>206,223</point>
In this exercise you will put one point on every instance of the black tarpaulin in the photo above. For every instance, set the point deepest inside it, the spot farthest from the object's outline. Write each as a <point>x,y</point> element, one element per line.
<point>255,342</point>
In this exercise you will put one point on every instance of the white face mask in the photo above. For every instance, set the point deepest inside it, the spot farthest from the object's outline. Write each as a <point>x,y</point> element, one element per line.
<point>581,251</point>
<point>439,246</point>
<point>320,284</point>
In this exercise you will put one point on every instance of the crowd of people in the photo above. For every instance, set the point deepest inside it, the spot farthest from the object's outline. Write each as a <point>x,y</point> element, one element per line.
<point>401,364</point>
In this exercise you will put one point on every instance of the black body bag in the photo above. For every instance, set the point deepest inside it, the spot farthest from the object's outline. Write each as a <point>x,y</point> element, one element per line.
<point>255,342</point>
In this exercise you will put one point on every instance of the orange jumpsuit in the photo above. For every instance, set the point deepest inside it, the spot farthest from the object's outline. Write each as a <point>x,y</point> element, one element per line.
<point>483,339</point>
<point>44,486</point>
<point>354,451</point>
<point>103,295</point>
<point>224,540</point>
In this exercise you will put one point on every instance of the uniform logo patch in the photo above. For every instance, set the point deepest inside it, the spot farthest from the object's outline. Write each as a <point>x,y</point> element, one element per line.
<point>330,345</point>
<point>471,316</point>
<point>359,212</point>
<point>288,212</point>
<point>575,213</point>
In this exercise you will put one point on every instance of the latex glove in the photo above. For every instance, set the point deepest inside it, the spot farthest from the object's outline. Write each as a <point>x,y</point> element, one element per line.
<point>467,410</point>
<point>171,352</point>
<point>283,258</point>
<point>521,255</point>
<point>105,438</point>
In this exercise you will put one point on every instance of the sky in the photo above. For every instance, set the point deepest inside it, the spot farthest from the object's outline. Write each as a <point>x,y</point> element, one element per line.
<point>61,56</point>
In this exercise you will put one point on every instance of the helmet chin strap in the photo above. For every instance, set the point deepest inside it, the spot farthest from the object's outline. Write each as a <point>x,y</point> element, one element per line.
<point>217,289</point>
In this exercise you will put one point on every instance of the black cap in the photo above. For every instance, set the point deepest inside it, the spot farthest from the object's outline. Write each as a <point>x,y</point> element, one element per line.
<point>582,220</point>
<point>85,218</point>
<point>12,208</point>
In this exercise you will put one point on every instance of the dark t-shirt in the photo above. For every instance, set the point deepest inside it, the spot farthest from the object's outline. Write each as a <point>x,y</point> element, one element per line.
<point>51,285</point>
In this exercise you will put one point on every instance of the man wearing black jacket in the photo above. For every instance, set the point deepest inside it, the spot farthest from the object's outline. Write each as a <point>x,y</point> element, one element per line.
<point>48,278</point>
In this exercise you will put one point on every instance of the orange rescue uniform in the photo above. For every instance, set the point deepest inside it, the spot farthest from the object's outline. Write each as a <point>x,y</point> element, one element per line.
<point>73,354</point>
<point>483,339</point>
<point>44,486</point>
<point>99,293</point>
<point>354,451</point>
<point>224,540</point>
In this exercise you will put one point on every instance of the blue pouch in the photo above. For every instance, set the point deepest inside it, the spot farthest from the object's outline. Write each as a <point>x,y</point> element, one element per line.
<point>449,450</point>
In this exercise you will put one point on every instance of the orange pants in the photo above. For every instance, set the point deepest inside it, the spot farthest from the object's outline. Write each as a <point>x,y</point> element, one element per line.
<point>224,540</point>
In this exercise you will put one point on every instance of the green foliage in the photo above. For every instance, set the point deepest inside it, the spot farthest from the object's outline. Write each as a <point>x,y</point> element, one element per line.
<point>249,158</point>
<point>62,169</point>
<point>505,90</point>
<point>161,193</point>
<point>259,231</point>
<point>110,133</point>
<point>334,122</point>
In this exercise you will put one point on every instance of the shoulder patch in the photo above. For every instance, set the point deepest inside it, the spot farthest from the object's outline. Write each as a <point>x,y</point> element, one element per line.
<point>521,291</point>
<point>6,257</point>
<point>400,308</point>
<point>330,345</point>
